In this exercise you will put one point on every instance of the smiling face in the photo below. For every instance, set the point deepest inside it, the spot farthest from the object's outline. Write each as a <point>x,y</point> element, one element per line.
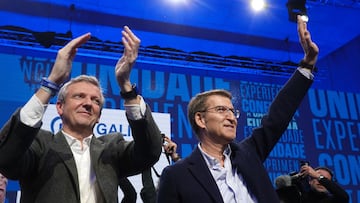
<point>218,127</point>
<point>3,184</point>
<point>81,108</point>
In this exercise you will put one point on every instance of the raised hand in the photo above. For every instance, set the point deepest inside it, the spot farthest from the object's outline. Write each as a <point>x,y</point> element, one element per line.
<point>125,63</point>
<point>311,50</point>
<point>170,147</point>
<point>64,59</point>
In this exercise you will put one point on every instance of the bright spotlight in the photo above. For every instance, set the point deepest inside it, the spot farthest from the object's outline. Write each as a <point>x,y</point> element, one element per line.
<point>305,18</point>
<point>258,5</point>
<point>177,1</point>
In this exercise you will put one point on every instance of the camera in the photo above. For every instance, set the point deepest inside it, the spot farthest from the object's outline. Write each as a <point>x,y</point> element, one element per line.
<point>168,151</point>
<point>163,137</point>
<point>304,163</point>
<point>295,175</point>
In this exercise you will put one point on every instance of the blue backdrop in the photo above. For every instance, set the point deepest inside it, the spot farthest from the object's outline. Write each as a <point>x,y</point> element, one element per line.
<point>324,131</point>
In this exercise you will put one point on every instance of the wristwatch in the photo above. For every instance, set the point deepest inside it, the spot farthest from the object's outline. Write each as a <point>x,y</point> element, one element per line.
<point>305,65</point>
<point>130,95</point>
<point>321,177</point>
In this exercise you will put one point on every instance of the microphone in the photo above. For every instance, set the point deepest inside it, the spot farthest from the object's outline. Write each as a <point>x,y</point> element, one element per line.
<point>283,181</point>
<point>296,176</point>
<point>286,191</point>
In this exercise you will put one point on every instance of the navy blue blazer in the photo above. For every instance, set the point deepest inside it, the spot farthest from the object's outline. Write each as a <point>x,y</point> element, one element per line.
<point>190,181</point>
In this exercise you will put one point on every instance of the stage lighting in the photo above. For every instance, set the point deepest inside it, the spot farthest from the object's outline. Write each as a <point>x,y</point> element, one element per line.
<point>296,7</point>
<point>258,5</point>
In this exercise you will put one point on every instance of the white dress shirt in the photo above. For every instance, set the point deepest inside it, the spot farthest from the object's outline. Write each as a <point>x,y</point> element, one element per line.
<point>32,113</point>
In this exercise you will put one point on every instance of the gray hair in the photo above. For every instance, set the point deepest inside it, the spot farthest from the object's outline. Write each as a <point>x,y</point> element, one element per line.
<point>81,78</point>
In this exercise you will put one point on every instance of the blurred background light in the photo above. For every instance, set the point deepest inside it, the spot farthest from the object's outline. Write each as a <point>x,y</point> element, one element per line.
<point>258,5</point>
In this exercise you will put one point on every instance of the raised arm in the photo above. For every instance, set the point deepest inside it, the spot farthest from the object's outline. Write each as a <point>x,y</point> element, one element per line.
<point>62,67</point>
<point>311,50</point>
<point>126,62</point>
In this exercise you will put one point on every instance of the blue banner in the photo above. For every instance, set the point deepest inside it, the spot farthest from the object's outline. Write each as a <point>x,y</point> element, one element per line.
<point>324,131</point>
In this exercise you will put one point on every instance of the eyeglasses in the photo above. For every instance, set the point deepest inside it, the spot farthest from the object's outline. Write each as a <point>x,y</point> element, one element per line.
<point>223,110</point>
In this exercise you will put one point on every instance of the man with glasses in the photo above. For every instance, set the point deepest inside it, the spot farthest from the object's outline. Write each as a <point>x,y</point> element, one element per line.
<point>220,170</point>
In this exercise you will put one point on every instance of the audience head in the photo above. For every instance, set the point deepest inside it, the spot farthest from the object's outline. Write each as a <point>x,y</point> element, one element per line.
<point>314,182</point>
<point>3,185</point>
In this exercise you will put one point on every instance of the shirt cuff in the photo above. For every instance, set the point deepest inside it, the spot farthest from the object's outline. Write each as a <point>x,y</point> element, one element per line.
<point>32,112</point>
<point>136,111</point>
<point>306,73</point>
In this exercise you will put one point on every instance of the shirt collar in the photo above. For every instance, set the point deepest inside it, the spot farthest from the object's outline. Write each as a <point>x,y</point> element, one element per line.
<point>211,161</point>
<point>72,140</point>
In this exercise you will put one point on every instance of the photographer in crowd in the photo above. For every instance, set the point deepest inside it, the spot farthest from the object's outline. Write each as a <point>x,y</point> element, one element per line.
<point>323,188</point>
<point>149,191</point>
<point>310,186</point>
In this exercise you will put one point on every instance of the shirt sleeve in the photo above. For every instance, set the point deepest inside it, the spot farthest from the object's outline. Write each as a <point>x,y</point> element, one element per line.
<point>305,73</point>
<point>32,112</point>
<point>136,111</point>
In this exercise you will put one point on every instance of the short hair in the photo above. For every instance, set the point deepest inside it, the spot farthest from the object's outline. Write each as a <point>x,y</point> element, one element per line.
<point>81,78</point>
<point>326,169</point>
<point>4,178</point>
<point>198,103</point>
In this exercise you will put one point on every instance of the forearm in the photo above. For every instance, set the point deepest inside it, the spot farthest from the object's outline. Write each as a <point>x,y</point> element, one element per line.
<point>32,112</point>
<point>136,111</point>
<point>147,138</point>
<point>175,157</point>
<point>16,138</point>
<point>337,192</point>
<point>280,113</point>
<point>288,99</point>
